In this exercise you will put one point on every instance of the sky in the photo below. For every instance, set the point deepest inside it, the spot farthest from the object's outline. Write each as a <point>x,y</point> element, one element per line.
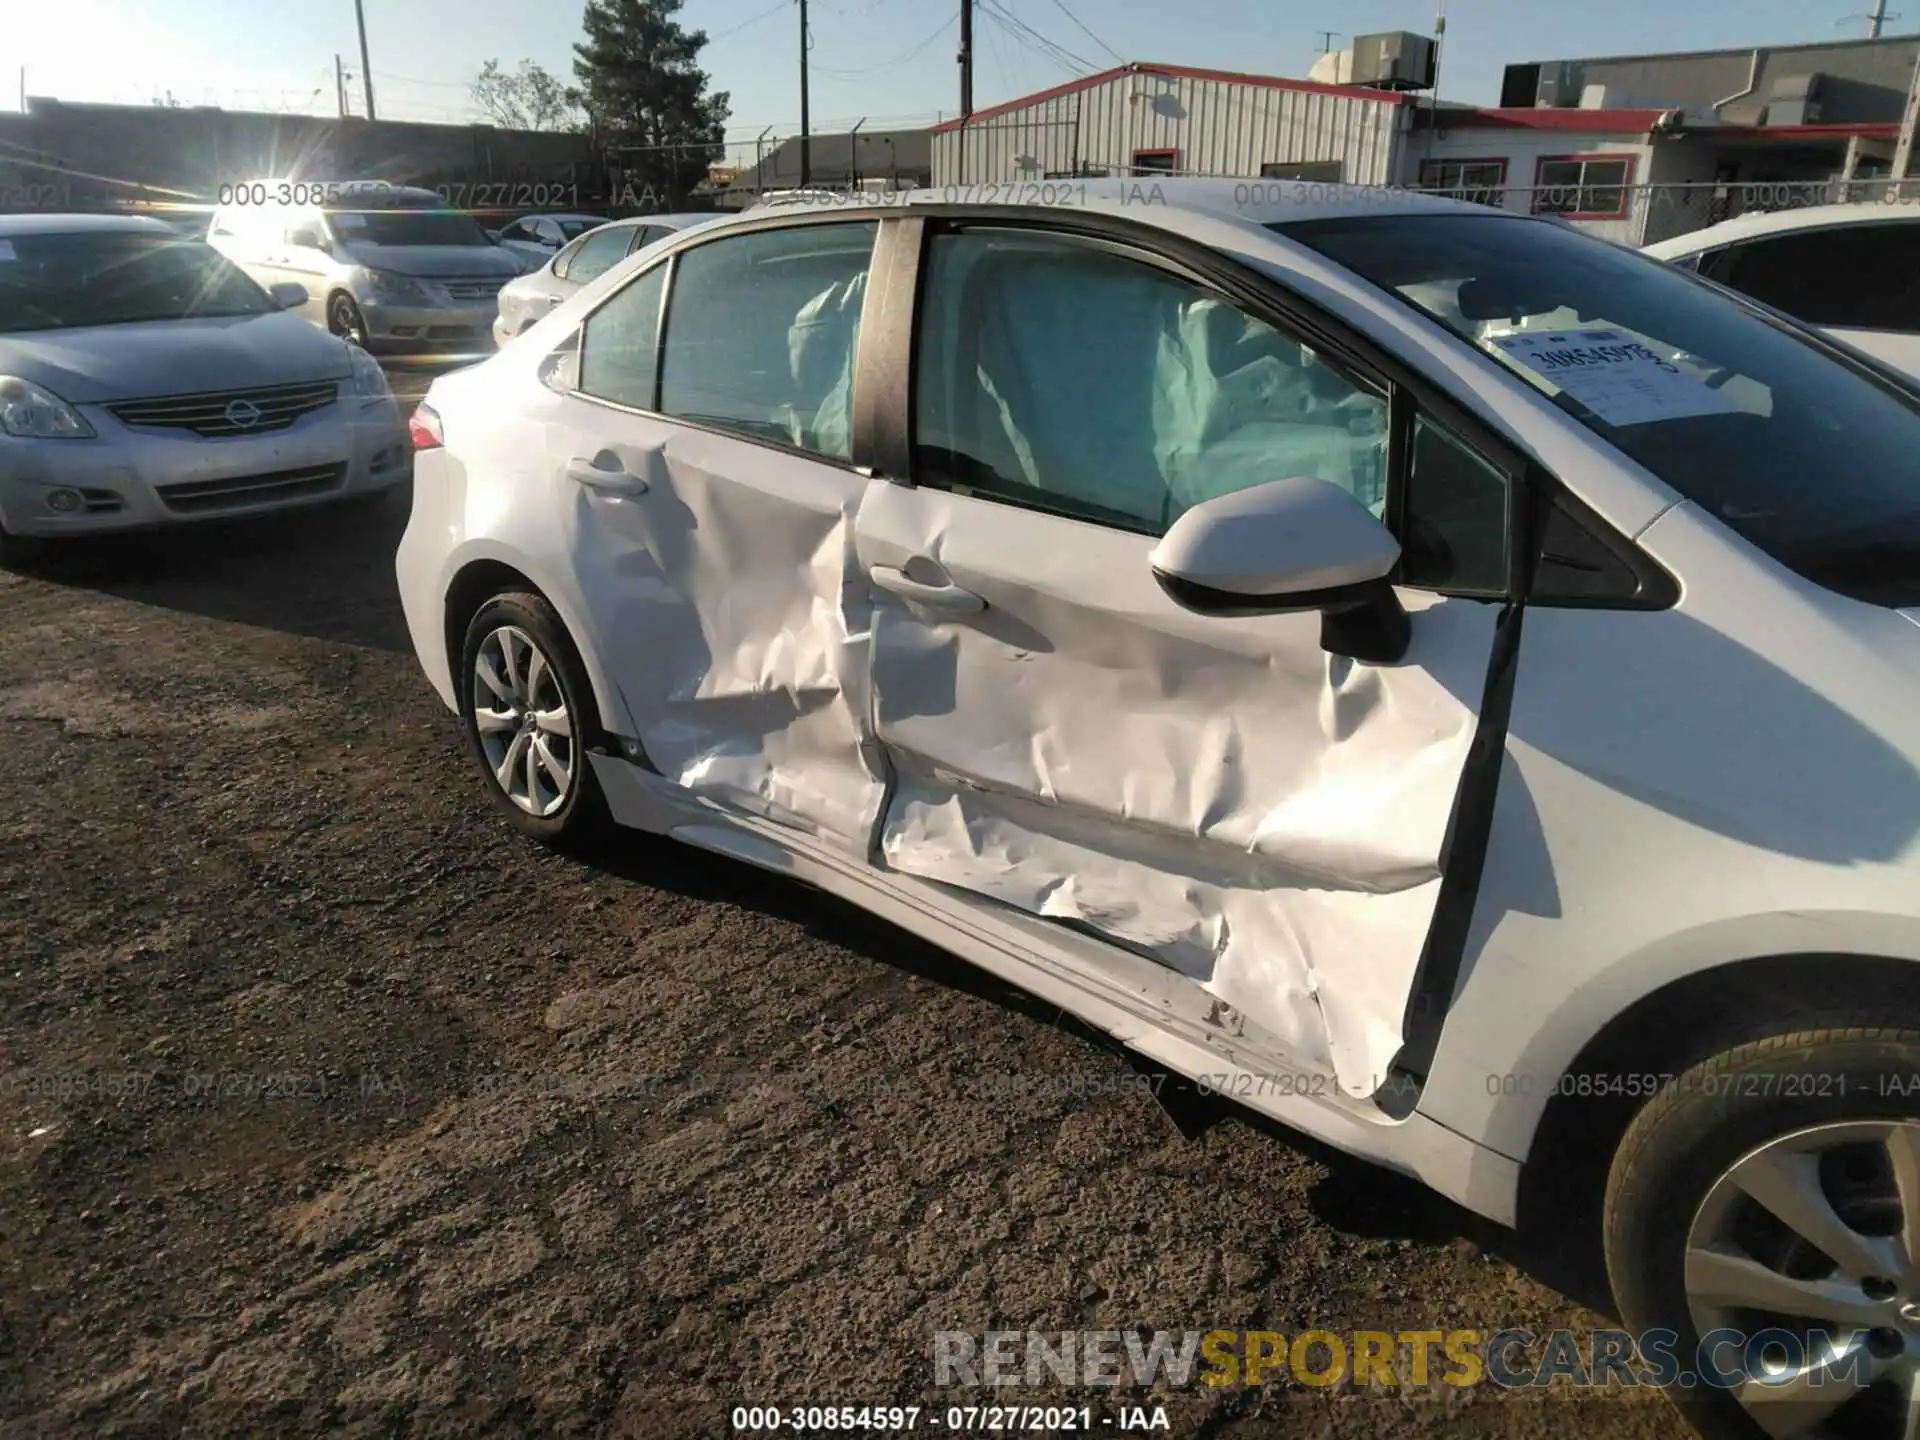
<point>891,62</point>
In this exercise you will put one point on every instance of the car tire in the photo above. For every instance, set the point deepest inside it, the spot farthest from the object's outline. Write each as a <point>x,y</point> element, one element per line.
<point>19,551</point>
<point>345,320</point>
<point>1825,1121</point>
<point>507,632</point>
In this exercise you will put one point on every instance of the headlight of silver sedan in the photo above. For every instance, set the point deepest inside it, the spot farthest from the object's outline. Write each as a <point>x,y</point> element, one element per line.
<point>34,412</point>
<point>367,379</point>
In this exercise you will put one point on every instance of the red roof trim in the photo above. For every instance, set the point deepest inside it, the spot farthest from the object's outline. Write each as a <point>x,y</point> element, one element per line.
<point>1865,129</point>
<point>1597,122</point>
<point>1183,72</point>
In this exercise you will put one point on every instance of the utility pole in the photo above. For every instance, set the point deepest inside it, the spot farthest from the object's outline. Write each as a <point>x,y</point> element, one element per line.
<point>1877,19</point>
<point>1327,37</point>
<point>1903,151</point>
<point>966,81</point>
<point>366,65</point>
<point>806,128</point>
<point>339,89</point>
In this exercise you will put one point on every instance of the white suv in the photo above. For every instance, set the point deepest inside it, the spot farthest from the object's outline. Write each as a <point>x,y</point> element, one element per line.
<point>385,266</point>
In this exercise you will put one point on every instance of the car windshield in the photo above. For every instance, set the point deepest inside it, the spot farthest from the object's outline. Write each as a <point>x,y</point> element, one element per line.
<point>1811,457</point>
<point>63,281</point>
<point>407,227</point>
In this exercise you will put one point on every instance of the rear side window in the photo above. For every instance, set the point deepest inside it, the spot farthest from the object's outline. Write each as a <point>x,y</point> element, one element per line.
<point>1866,277</point>
<point>762,330</point>
<point>621,344</point>
<point>597,254</point>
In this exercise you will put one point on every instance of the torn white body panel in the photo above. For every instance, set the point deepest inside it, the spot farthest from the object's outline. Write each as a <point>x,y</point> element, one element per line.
<point>736,624</point>
<point>1259,815</point>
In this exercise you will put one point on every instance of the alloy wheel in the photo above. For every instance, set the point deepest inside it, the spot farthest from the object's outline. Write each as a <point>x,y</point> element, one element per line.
<point>344,320</point>
<point>1815,1237</point>
<point>520,714</point>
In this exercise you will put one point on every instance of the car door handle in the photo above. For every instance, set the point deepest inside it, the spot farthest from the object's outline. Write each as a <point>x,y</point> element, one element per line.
<point>946,599</point>
<point>614,479</point>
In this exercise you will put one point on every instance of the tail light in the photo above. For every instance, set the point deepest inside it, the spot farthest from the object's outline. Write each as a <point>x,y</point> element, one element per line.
<point>424,427</point>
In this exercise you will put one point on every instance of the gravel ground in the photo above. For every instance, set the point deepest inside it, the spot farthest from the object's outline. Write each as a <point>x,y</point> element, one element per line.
<point>328,1105</point>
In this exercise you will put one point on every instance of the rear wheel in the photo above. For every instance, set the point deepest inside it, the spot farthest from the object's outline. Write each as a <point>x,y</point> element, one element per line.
<point>530,719</point>
<point>1769,1201</point>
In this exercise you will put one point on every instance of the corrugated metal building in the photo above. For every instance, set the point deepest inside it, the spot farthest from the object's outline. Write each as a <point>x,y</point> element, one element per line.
<point>1155,119</point>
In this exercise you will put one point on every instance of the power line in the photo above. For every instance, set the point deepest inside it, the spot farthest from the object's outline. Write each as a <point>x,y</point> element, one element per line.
<point>1032,39</point>
<point>1088,33</point>
<point>753,20</point>
<point>437,84</point>
<point>894,64</point>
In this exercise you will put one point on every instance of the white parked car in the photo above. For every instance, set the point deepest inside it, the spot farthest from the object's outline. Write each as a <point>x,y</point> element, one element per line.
<point>144,380</point>
<point>1854,270</point>
<point>1494,752</point>
<point>388,267</point>
<point>536,238</point>
<point>587,257</point>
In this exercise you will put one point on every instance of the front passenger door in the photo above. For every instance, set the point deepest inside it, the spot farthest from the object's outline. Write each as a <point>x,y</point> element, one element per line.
<point>1222,794</point>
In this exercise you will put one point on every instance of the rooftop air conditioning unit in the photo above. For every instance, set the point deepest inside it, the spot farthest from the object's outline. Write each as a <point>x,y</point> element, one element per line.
<point>1560,85</point>
<point>1395,60</point>
<point>1795,100</point>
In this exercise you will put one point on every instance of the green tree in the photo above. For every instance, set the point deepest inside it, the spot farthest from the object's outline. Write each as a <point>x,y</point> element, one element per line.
<point>528,99</point>
<point>646,95</point>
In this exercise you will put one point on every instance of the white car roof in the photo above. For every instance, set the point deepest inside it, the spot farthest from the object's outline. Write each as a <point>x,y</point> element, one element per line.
<point>45,224</point>
<point>1157,198</point>
<point>1774,222</point>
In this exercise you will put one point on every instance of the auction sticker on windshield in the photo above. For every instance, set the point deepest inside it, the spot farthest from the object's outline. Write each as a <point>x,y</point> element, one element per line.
<point>1614,375</point>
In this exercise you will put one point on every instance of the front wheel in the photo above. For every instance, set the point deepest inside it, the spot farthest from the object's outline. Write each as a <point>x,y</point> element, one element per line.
<point>345,320</point>
<point>1767,1203</point>
<point>530,719</point>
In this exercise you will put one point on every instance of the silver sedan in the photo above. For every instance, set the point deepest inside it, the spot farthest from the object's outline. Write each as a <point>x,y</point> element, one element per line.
<point>145,380</point>
<point>586,257</point>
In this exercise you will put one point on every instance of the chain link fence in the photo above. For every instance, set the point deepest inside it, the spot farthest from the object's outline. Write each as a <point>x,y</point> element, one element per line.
<point>1645,213</point>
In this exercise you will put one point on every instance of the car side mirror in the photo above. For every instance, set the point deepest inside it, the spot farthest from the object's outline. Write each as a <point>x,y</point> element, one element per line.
<point>308,237</point>
<point>1300,544</point>
<point>288,294</point>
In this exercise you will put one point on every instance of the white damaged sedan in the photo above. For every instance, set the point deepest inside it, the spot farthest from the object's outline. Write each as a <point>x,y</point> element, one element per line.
<point>1442,680</point>
<point>145,381</point>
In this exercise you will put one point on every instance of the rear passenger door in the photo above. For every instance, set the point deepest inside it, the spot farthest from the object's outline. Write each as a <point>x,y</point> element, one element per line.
<point>1860,282</point>
<point>1249,806</point>
<point>708,449</point>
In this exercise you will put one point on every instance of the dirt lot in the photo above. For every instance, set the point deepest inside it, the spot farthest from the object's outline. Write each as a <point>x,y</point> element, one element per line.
<point>328,1105</point>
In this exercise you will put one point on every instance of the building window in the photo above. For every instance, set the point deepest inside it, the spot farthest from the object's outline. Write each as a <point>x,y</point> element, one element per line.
<point>1583,187</point>
<point>1155,162</point>
<point>1480,181</point>
<point>1328,172</point>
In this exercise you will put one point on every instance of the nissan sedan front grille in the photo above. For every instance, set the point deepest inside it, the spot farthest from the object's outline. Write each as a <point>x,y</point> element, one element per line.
<point>229,412</point>
<point>238,492</point>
